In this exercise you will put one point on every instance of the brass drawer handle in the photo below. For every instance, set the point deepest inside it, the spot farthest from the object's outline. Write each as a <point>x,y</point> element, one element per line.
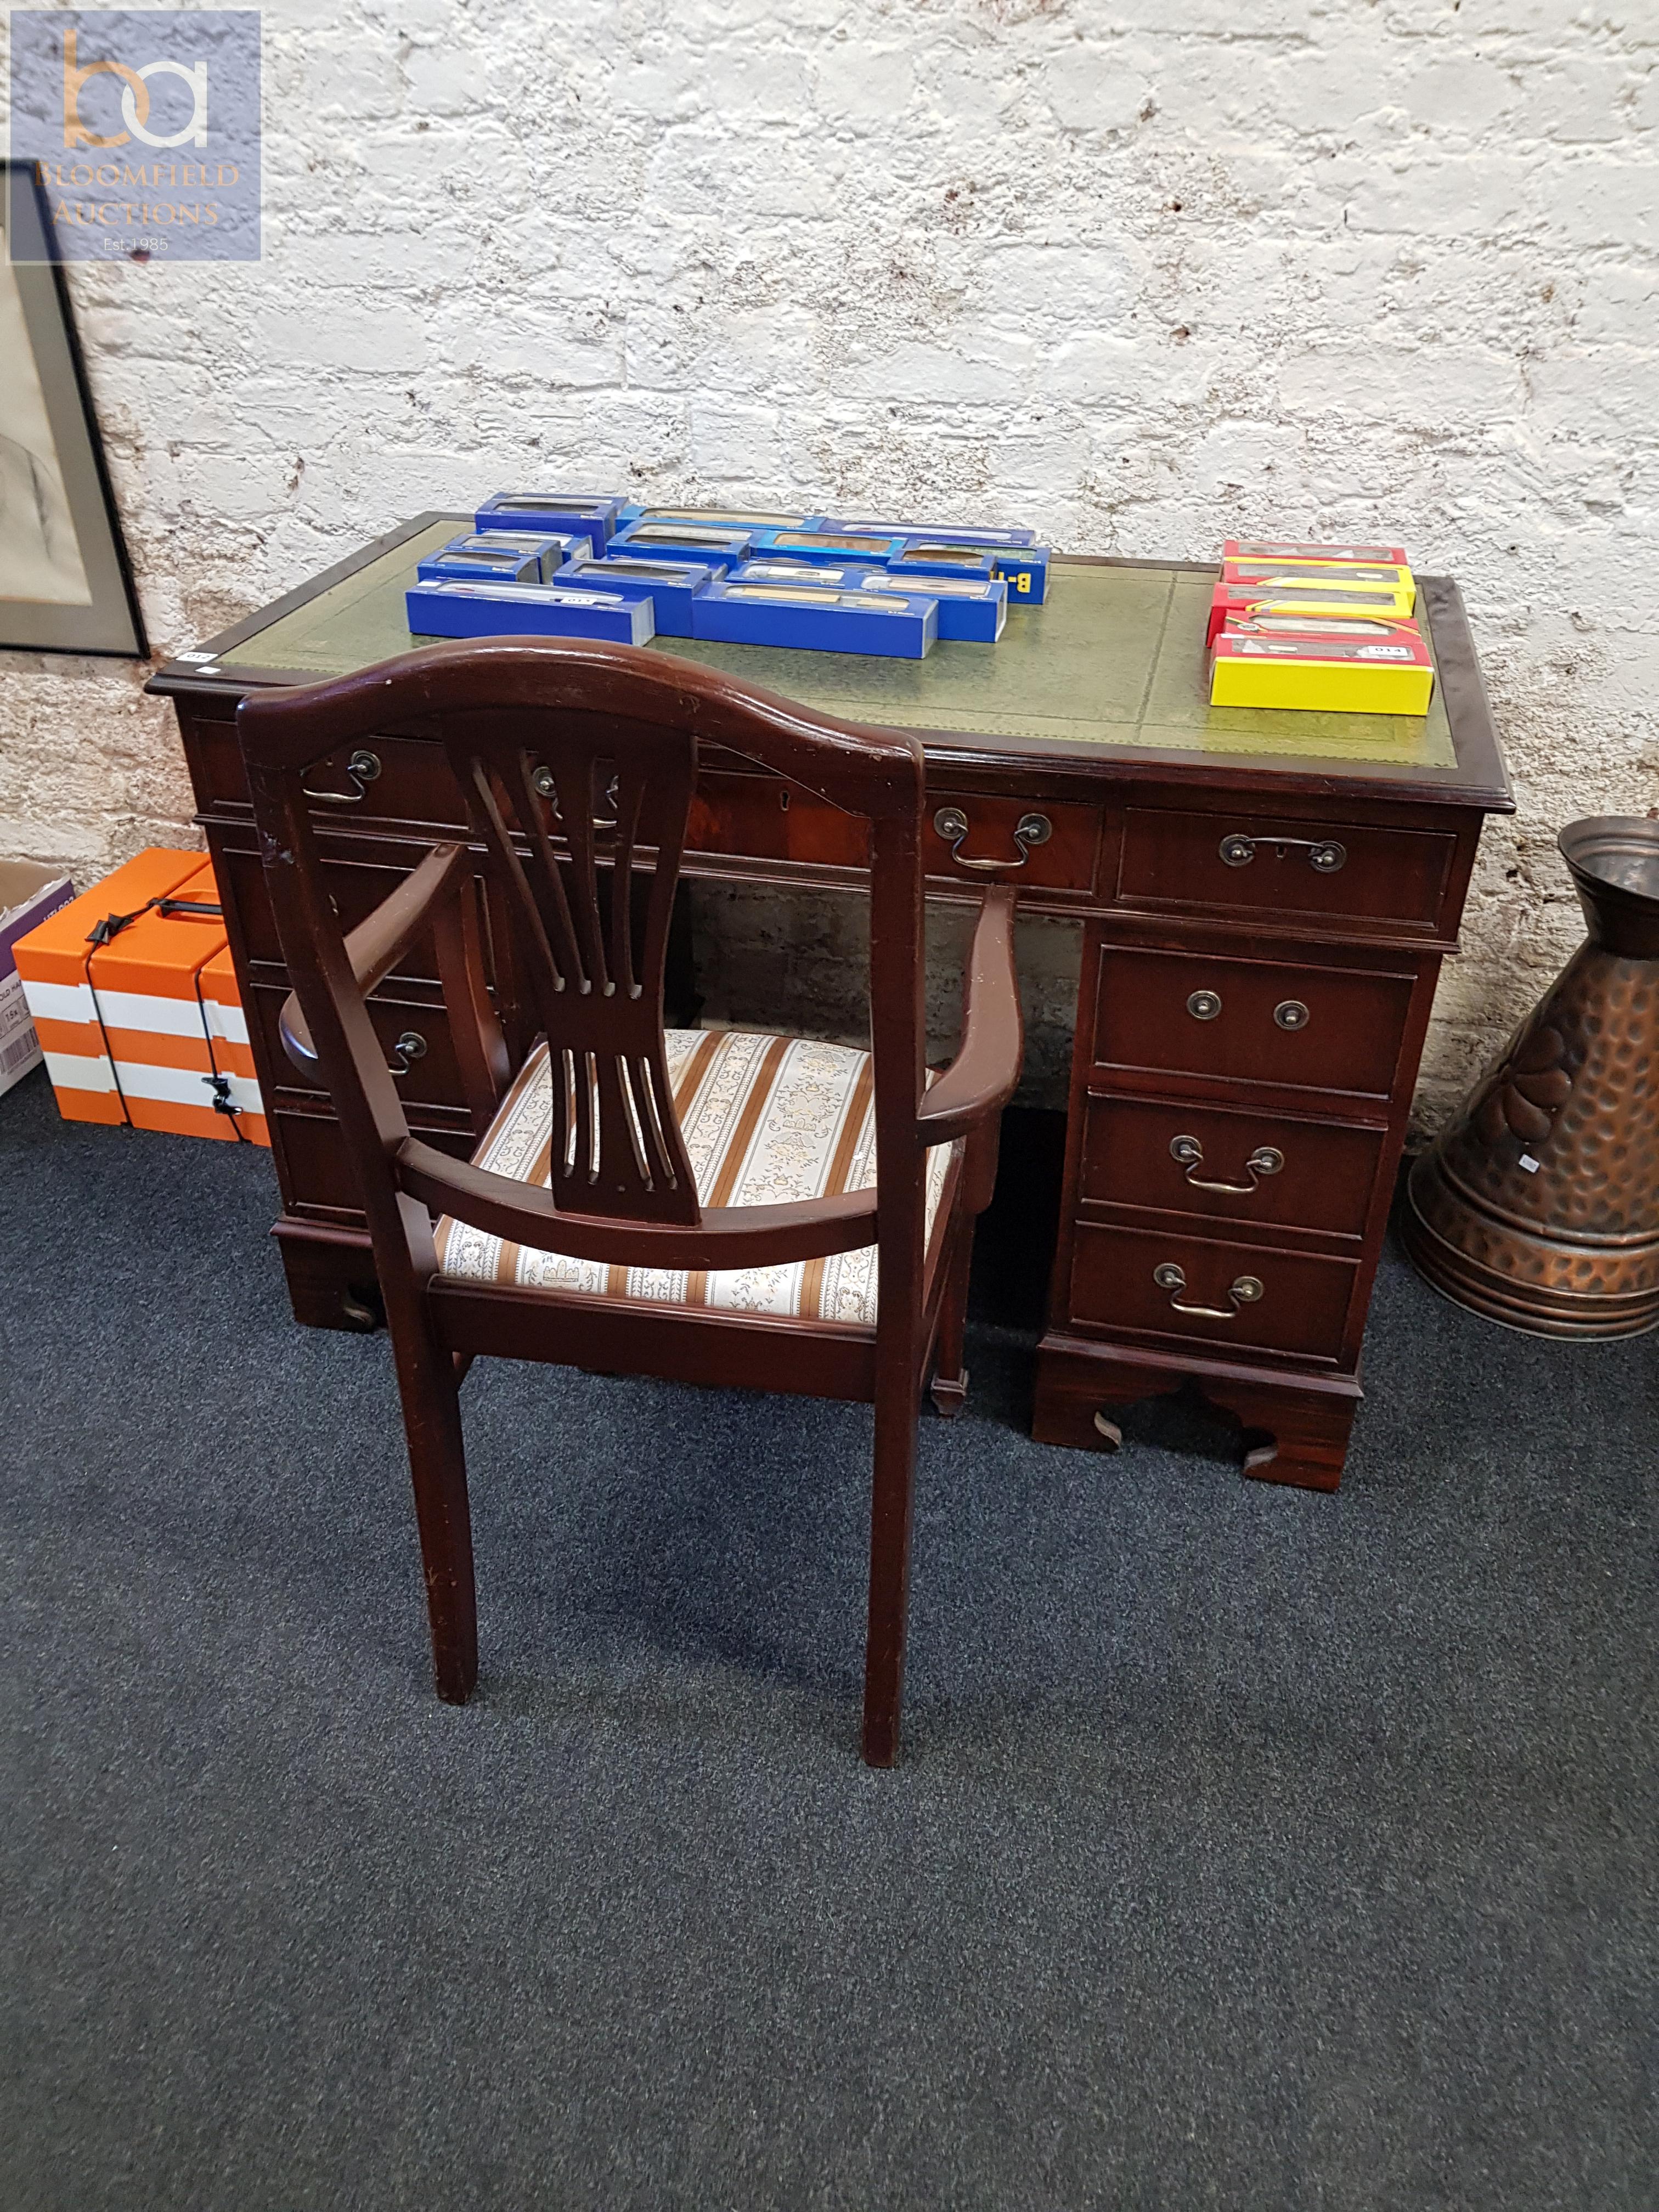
<point>1204,1005</point>
<point>1244,1291</point>
<point>410,1048</point>
<point>1265,1160</point>
<point>1324,854</point>
<point>542,784</point>
<point>952,825</point>
<point>1292,1014</point>
<point>360,771</point>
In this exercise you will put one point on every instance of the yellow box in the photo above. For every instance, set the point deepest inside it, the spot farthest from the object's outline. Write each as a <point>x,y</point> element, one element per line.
<point>1335,675</point>
<point>1260,579</point>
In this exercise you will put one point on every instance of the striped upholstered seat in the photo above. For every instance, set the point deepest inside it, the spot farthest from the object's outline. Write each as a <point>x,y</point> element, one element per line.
<point>767,1120</point>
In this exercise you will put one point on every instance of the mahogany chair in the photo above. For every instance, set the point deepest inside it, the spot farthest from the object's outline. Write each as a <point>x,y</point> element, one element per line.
<point>705,1207</point>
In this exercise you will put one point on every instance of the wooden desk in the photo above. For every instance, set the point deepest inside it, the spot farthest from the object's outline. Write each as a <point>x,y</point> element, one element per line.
<point>1266,899</point>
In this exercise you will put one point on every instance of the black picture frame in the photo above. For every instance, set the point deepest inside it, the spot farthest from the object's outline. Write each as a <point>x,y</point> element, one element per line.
<point>66,490</point>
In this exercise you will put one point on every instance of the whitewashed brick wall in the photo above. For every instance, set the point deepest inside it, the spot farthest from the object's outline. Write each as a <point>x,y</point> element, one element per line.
<point>1148,274</point>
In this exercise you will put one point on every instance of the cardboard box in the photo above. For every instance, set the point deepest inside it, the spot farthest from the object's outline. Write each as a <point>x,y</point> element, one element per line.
<point>459,610</point>
<point>1343,675</point>
<point>893,625</point>
<point>29,891</point>
<point>131,1032</point>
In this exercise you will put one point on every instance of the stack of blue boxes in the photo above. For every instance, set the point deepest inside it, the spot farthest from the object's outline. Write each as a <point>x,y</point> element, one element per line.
<point>586,565</point>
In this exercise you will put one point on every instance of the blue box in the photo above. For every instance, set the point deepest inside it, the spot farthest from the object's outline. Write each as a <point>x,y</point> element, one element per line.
<point>972,609</point>
<point>827,545</point>
<point>715,517</point>
<point>975,563</point>
<point>594,514</point>
<point>670,585</point>
<point>944,530</point>
<point>1024,568</point>
<point>508,565</point>
<point>682,541</point>
<point>769,567</point>
<point>896,625</point>
<point>552,548</point>
<point>459,610</point>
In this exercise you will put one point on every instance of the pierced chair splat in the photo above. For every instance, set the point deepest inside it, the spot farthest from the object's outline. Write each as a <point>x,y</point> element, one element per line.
<point>673,1203</point>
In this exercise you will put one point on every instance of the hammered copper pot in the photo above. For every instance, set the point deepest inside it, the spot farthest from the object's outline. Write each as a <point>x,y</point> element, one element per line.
<point>1539,1204</point>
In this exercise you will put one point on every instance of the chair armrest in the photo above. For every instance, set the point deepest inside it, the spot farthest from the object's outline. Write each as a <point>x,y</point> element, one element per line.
<point>377,943</point>
<point>980,1081</point>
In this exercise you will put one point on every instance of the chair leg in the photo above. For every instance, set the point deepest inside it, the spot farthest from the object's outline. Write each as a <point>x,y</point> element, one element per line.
<point>890,1507</point>
<point>437,1465</point>
<point>950,1384</point>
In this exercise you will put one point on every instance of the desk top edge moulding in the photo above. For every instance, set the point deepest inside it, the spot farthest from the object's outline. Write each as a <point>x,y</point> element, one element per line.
<point>1265,898</point>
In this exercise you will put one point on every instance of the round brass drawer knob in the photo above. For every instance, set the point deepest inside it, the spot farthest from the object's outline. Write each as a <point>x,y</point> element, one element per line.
<point>1204,1005</point>
<point>1292,1014</point>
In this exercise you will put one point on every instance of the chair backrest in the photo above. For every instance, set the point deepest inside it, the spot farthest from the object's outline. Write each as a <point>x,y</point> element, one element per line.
<point>578,762</point>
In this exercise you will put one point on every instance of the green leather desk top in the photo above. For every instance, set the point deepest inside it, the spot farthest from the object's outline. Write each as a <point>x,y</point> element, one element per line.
<point>1113,662</point>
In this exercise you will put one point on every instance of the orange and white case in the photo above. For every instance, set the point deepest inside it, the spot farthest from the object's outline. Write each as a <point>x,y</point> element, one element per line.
<point>146,1026</point>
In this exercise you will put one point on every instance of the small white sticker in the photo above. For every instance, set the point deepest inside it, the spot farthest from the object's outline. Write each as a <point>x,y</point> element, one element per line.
<point>192,656</point>
<point>1528,1162</point>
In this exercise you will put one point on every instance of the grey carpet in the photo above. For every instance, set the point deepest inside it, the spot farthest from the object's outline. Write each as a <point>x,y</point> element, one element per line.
<point>1250,1848</point>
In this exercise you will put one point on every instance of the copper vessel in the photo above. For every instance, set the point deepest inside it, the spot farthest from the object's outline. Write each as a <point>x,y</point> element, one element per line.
<point>1538,1205</point>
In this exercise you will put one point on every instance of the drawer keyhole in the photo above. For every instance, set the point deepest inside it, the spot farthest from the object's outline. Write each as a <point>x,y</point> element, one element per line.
<point>1265,1160</point>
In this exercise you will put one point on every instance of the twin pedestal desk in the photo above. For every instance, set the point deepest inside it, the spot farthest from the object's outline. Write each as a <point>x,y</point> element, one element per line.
<point>1265,900</point>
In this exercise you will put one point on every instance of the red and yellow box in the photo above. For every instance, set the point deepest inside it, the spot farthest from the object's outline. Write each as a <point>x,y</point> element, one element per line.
<point>1326,594</point>
<point>1338,667</point>
<point>134,1000</point>
<point>1265,577</point>
<point>1280,549</point>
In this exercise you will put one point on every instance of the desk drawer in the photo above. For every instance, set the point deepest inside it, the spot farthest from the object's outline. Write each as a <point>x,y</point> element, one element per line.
<point>357,887</point>
<point>1264,865</point>
<point>317,1175</point>
<point>1311,1028</point>
<point>411,781</point>
<point>1198,1290</point>
<point>432,1078</point>
<point>1213,1162</point>
<point>761,818</point>
<point>1031,843</point>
